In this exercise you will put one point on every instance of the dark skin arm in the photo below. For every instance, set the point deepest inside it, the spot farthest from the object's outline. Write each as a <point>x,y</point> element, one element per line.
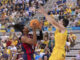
<point>27,40</point>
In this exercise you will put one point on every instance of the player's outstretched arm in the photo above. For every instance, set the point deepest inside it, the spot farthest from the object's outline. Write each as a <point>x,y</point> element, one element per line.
<point>51,20</point>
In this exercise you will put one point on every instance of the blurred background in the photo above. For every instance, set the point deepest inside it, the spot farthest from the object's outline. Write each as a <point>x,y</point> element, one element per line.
<point>23,11</point>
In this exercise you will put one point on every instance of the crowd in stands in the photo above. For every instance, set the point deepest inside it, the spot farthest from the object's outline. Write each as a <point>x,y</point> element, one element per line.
<point>77,57</point>
<point>71,11</point>
<point>15,11</point>
<point>71,41</point>
<point>11,48</point>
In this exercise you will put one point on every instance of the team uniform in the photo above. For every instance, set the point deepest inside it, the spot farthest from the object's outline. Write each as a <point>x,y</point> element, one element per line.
<point>59,49</point>
<point>28,51</point>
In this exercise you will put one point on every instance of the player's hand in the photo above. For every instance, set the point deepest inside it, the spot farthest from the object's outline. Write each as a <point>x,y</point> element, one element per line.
<point>41,10</point>
<point>34,26</point>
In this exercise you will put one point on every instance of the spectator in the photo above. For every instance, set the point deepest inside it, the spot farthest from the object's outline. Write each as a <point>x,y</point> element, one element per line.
<point>73,59</point>
<point>68,43</point>
<point>13,48</point>
<point>78,56</point>
<point>46,55</point>
<point>45,41</point>
<point>72,38</point>
<point>78,15</point>
<point>51,44</point>
<point>5,56</point>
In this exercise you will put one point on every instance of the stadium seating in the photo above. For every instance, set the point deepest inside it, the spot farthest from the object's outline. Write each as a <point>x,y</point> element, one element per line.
<point>74,50</point>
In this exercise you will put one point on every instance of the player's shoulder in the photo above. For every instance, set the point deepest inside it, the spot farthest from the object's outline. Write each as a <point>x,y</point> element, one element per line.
<point>61,31</point>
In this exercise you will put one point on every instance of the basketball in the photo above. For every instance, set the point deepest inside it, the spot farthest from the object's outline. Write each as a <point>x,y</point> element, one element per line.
<point>34,21</point>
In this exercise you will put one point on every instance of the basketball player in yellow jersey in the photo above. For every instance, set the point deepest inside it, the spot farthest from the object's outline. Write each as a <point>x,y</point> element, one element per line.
<point>60,36</point>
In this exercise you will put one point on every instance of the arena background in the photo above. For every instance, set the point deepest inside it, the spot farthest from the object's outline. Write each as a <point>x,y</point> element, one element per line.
<point>49,7</point>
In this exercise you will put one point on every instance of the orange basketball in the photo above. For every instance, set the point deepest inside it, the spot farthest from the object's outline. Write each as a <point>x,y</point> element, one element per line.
<point>34,21</point>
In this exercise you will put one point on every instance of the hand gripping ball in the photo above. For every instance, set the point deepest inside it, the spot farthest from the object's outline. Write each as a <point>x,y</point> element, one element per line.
<point>34,21</point>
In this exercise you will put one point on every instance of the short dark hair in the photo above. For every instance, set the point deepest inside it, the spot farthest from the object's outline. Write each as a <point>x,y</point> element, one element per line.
<point>19,27</point>
<point>65,22</point>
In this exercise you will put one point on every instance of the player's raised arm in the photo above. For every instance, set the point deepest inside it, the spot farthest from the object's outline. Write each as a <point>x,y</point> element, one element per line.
<point>27,40</point>
<point>51,20</point>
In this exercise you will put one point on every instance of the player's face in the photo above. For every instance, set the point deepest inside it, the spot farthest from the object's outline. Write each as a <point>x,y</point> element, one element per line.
<point>25,30</point>
<point>45,38</point>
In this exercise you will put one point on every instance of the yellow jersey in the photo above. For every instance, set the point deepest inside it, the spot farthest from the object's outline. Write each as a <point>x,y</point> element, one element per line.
<point>46,42</point>
<point>59,49</point>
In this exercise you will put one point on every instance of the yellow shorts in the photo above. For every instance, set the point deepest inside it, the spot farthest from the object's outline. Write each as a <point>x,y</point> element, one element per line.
<point>51,58</point>
<point>57,54</point>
